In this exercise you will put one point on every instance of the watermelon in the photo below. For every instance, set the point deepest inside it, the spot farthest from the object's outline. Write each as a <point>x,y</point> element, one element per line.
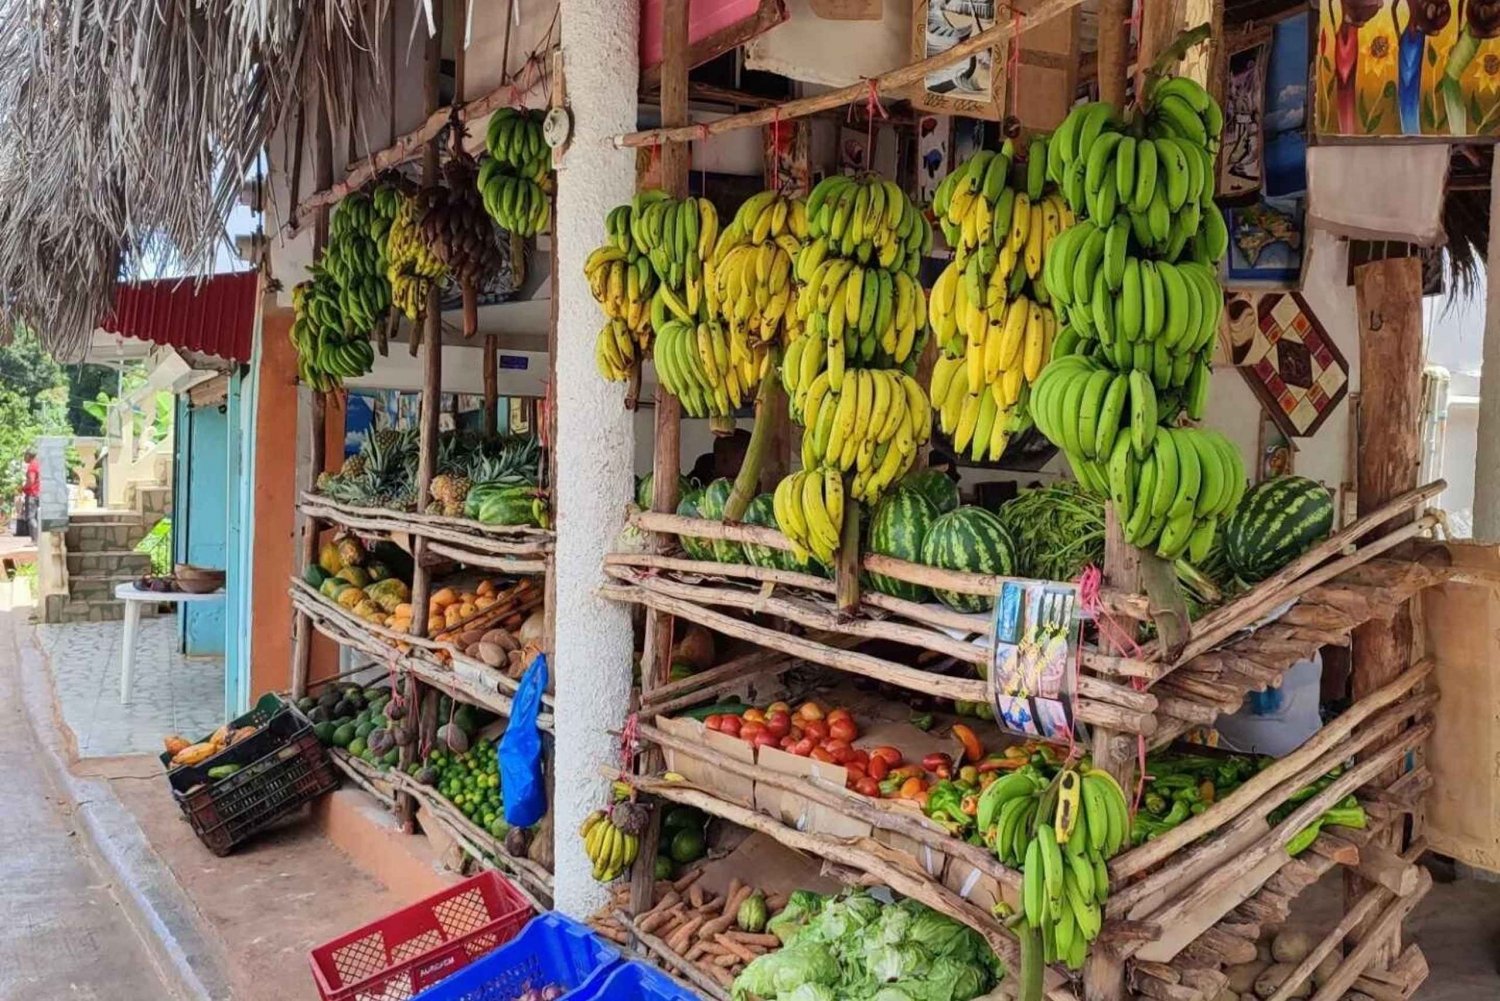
<point>643,490</point>
<point>935,485</point>
<point>711,506</point>
<point>900,523</point>
<point>698,549</point>
<point>973,540</point>
<point>762,512</point>
<point>1276,521</point>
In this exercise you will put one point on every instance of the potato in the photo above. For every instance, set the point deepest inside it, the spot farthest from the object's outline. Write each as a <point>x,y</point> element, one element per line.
<point>1291,946</point>
<point>1226,995</point>
<point>501,638</point>
<point>1242,977</point>
<point>1324,971</point>
<point>1271,980</point>
<point>491,654</point>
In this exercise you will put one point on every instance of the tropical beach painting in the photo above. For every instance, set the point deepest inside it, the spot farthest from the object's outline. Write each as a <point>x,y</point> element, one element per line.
<point>1408,68</point>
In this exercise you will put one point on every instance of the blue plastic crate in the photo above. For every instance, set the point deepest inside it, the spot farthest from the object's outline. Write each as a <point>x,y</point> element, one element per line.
<point>633,981</point>
<point>552,949</point>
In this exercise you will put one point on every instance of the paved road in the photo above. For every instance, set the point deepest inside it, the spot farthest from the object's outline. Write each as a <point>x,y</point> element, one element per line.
<point>65,936</point>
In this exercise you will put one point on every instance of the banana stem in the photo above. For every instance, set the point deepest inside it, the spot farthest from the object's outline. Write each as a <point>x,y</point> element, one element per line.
<point>747,481</point>
<point>1031,982</point>
<point>846,572</point>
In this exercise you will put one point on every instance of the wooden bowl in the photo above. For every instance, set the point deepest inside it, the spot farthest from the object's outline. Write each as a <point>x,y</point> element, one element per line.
<point>198,580</point>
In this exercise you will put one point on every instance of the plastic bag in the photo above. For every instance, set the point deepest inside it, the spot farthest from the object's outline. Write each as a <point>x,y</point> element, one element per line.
<point>523,790</point>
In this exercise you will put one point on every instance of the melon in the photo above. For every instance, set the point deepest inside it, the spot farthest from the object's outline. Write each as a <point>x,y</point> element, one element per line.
<point>971,539</point>
<point>898,527</point>
<point>1275,522</point>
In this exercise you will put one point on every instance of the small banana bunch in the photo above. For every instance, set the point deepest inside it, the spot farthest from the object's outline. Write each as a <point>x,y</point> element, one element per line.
<point>624,284</point>
<point>328,349</point>
<point>872,426</point>
<point>461,232</point>
<point>749,277</point>
<point>711,370</point>
<point>1152,316</point>
<point>514,181</point>
<point>1170,486</point>
<point>412,265</point>
<point>356,258</point>
<point>809,509</point>
<point>1061,834</point>
<point>982,423</point>
<point>865,219</point>
<point>1157,173</point>
<point>611,848</point>
<point>677,237</point>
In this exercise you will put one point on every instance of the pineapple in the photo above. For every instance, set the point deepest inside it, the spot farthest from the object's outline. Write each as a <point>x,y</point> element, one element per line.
<point>387,438</point>
<point>354,465</point>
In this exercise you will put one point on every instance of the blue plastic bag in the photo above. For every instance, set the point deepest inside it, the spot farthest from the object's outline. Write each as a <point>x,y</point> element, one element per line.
<point>523,790</point>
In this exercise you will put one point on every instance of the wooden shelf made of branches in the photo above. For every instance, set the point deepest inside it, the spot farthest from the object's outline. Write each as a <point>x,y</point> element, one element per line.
<point>364,775</point>
<point>438,664</point>
<point>514,549</point>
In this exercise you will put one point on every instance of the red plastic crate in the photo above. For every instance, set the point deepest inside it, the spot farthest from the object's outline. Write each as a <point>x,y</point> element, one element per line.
<point>403,953</point>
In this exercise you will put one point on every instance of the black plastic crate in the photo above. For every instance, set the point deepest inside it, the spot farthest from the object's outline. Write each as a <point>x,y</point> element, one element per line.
<point>267,707</point>
<point>282,766</point>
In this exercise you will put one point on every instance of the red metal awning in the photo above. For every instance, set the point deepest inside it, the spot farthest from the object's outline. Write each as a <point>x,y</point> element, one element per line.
<point>215,316</point>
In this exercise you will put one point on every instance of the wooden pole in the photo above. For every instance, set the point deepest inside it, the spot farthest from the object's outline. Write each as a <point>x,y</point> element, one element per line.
<point>491,385</point>
<point>1388,295</point>
<point>432,398</point>
<point>1487,452</point>
<point>1114,50</point>
<point>666,466</point>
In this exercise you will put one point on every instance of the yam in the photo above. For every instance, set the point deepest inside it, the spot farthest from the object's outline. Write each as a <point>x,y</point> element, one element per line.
<point>469,637</point>
<point>1324,971</point>
<point>500,638</point>
<point>1270,982</point>
<point>491,654</point>
<point>1263,952</point>
<point>1291,946</point>
<point>1242,977</point>
<point>1226,995</point>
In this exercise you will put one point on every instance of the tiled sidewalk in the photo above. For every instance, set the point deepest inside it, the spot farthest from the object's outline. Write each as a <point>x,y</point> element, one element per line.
<point>170,694</point>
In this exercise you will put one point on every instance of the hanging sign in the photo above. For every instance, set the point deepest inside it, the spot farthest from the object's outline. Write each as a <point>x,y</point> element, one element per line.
<point>973,87</point>
<point>1033,679</point>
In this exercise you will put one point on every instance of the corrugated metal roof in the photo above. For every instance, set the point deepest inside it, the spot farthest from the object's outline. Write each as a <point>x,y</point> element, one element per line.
<point>215,316</point>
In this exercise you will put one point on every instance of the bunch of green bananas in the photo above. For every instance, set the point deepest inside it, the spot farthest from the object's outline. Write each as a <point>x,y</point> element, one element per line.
<point>809,509</point>
<point>749,277</point>
<point>609,848</point>
<point>710,369</point>
<point>1061,834</point>
<point>1157,173</point>
<point>871,426</point>
<point>1152,316</point>
<point>1170,486</point>
<point>624,284</point>
<point>329,350</point>
<point>514,180</point>
<point>677,237</point>
<point>412,265</point>
<point>356,258</point>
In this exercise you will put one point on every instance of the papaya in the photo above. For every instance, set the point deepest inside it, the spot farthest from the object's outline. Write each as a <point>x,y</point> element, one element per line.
<point>329,559</point>
<point>355,575</point>
<point>351,551</point>
<point>314,575</point>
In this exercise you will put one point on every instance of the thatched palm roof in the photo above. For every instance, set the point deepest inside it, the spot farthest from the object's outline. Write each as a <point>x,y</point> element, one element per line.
<point>127,128</point>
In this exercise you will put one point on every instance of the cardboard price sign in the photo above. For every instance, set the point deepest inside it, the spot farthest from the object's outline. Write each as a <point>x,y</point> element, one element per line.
<point>1033,679</point>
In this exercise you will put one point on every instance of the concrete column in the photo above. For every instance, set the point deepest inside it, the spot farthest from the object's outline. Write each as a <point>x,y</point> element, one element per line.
<point>1487,452</point>
<point>593,645</point>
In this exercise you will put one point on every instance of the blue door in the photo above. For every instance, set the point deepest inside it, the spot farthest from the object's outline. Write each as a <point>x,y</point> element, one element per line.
<point>202,500</point>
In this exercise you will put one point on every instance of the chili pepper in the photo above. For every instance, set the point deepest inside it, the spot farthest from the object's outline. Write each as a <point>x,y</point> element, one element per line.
<point>945,805</point>
<point>1198,808</point>
<point>1188,795</point>
<point>890,787</point>
<point>1303,839</point>
<point>911,787</point>
<point>1156,803</point>
<point>921,799</point>
<point>1175,782</point>
<point>906,772</point>
<point>1180,811</point>
<point>969,805</point>
<point>937,759</point>
<point>922,721</point>
<point>973,750</point>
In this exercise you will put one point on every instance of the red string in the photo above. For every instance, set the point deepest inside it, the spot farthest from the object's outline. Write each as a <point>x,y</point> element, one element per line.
<point>629,742</point>
<point>1113,635</point>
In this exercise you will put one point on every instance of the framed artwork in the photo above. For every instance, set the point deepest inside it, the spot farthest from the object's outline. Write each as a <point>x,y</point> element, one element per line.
<point>1413,69</point>
<point>1286,356</point>
<point>787,156</point>
<point>975,87</point>
<point>1241,161</point>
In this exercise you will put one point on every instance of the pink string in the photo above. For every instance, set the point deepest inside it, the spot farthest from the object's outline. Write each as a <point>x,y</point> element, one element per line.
<point>1113,635</point>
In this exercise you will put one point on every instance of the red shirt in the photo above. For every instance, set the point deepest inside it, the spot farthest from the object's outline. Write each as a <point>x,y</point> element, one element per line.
<point>33,485</point>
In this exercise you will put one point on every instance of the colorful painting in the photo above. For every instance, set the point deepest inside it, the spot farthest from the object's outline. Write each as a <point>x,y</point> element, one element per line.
<point>1240,161</point>
<point>786,157</point>
<point>1033,681</point>
<point>1408,68</point>
<point>1288,359</point>
<point>973,87</point>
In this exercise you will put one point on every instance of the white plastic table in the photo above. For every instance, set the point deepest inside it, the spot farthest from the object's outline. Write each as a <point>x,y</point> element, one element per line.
<point>134,598</point>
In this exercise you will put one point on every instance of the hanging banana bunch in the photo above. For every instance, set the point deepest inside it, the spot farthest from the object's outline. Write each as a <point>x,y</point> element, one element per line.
<point>329,350</point>
<point>412,265</point>
<point>515,180</point>
<point>356,258</point>
<point>750,274</point>
<point>457,226</point>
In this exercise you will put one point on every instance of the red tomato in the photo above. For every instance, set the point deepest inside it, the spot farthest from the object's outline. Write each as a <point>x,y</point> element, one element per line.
<point>712,722</point>
<point>753,716</point>
<point>879,768</point>
<point>730,725</point>
<point>810,710</point>
<point>785,742</point>
<point>836,714</point>
<point>867,787</point>
<point>778,707</point>
<point>748,731</point>
<point>815,728</point>
<point>802,748</point>
<point>763,739</point>
<point>937,761</point>
<point>890,755</point>
<point>779,723</point>
<point>820,753</point>
<point>855,768</point>
<point>842,729</point>
<point>840,750</point>
<point>796,732</point>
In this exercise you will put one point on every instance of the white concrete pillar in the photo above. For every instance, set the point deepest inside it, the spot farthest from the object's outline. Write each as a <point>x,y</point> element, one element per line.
<point>1487,452</point>
<point>595,440</point>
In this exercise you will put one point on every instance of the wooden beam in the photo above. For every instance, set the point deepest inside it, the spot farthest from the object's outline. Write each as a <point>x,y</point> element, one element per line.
<point>886,85</point>
<point>1114,50</point>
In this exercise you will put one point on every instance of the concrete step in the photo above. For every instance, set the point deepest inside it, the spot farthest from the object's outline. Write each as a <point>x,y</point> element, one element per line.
<point>108,561</point>
<point>104,516</point>
<point>61,608</point>
<point>154,502</point>
<point>104,536</point>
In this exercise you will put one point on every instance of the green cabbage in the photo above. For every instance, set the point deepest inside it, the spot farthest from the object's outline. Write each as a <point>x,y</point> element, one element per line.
<point>781,972</point>
<point>812,992</point>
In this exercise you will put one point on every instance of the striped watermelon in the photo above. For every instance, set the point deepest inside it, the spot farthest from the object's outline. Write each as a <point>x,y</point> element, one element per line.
<point>711,505</point>
<point>698,549</point>
<point>935,485</point>
<point>644,485</point>
<point>762,512</point>
<point>900,523</point>
<point>970,539</point>
<point>1276,521</point>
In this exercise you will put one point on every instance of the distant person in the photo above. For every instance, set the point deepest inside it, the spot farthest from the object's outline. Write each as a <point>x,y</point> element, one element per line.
<point>724,461</point>
<point>31,495</point>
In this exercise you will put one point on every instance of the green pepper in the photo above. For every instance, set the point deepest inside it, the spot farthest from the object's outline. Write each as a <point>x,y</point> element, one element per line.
<point>1346,816</point>
<point>1199,808</point>
<point>889,788</point>
<point>1174,782</point>
<point>1303,839</point>
<point>922,721</point>
<point>1189,795</point>
<point>1156,803</point>
<point>1180,811</point>
<point>945,805</point>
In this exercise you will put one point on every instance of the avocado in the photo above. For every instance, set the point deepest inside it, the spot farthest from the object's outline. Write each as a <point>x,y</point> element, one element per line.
<point>682,818</point>
<point>318,714</point>
<point>664,867</point>
<point>391,756</point>
<point>344,708</point>
<point>363,729</point>
<point>323,730</point>
<point>687,846</point>
<point>357,746</point>
<point>306,703</point>
<point>343,735</point>
<point>329,699</point>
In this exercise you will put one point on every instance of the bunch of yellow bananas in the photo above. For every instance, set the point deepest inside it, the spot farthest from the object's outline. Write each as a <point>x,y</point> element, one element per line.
<point>809,509</point>
<point>607,846</point>
<point>412,265</point>
<point>711,370</point>
<point>749,277</point>
<point>329,347</point>
<point>872,426</point>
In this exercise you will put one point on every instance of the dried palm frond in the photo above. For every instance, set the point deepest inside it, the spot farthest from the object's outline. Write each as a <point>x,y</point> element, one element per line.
<point>127,129</point>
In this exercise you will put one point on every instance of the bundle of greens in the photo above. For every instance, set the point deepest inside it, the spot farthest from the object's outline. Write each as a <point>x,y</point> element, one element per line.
<point>1058,530</point>
<point>854,948</point>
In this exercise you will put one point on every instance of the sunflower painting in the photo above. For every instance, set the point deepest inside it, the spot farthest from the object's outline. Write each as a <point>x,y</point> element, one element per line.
<point>1408,68</point>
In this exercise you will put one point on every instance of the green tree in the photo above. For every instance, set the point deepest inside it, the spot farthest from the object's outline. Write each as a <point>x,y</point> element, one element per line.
<point>33,402</point>
<point>18,431</point>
